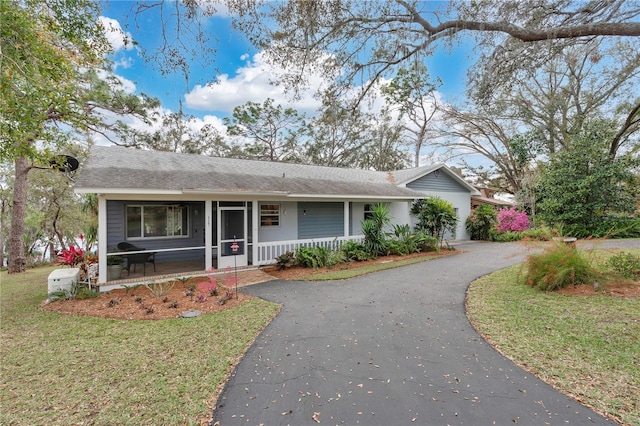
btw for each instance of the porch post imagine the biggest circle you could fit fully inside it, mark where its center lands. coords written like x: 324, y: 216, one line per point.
x: 346, y: 219
x: 102, y: 239
x: 254, y: 231
x: 208, y: 234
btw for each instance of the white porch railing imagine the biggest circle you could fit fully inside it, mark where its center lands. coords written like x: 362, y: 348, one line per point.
x: 268, y: 251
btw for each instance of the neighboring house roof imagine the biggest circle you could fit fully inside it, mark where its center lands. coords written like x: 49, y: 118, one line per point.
x: 487, y: 197
x: 123, y: 170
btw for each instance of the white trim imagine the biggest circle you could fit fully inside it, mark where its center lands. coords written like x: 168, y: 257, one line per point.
x: 102, y: 239
x: 255, y: 217
x: 346, y: 219
x: 208, y: 234
x: 358, y: 197
x: 136, y: 191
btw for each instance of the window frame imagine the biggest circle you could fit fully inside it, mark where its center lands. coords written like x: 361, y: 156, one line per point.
x: 265, y: 213
x: 186, y: 233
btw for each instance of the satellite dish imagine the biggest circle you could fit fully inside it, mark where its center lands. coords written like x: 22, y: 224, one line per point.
x: 64, y: 163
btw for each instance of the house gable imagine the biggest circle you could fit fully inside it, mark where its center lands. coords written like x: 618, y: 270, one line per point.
x: 437, y: 181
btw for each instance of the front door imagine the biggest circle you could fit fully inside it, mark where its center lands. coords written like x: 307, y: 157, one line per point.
x: 232, y: 222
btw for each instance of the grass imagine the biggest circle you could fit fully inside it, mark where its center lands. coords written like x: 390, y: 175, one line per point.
x: 343, y: 274
x: 60, y: 370
x: 586, y: 347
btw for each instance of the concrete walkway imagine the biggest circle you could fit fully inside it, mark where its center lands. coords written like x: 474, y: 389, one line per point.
x: 389, y: 348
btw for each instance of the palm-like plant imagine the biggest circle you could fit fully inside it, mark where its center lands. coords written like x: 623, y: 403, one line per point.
x: 373, y: 228
x: 435, y: 216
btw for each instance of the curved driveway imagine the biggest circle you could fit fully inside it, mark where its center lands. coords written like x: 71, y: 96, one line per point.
x: 390, y: 348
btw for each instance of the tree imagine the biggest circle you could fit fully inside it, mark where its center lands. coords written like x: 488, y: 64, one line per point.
x: 596, y: 79
x: 385, y: 151
x: 415, y: 96
x: 273, y: 132
x: 483, y: 132
x: 578, y: 191
x: 178, y: 133
x: 50, y: 54
x: 436, y: 217
x: 337, y: 135
x: 364, y: 41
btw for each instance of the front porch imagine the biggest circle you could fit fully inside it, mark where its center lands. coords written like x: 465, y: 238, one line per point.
x: 265, y: 253
x: 186, y: 237
x: 174, y: 270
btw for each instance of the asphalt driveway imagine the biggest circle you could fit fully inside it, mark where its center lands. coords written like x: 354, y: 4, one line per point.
x: 390, y: 348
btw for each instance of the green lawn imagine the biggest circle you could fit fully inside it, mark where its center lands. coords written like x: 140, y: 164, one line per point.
x: 586, y: 346
x: 59, y: 369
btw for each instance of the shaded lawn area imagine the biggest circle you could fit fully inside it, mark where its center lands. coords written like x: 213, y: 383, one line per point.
x: 59, y: 369
x: 585, y: 346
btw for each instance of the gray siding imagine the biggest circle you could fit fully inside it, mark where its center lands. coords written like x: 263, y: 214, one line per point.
x: 436, y: 181
x: 320, y: 220
x: 116, y: 233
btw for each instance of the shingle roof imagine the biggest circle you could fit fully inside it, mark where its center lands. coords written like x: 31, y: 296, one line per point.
x: 117, y: 169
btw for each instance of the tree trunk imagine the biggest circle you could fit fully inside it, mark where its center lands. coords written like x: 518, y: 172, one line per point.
x: 17, y: 258
x: 3, y: 209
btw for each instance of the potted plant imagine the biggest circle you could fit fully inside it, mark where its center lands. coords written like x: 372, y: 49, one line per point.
x: 114, y: 267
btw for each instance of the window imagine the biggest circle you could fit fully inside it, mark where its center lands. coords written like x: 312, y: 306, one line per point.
x: 368, y: 211
x: 269, y: 215
x: 149, y: 221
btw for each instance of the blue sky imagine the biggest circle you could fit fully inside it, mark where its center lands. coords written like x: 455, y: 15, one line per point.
x: 243, y: 75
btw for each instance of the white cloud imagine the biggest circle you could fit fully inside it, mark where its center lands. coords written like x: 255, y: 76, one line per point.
x: 251, y: 83
x: 128, y: 86
x: 116, y: 36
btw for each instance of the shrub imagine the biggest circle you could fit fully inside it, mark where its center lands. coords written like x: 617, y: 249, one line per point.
x: 625, y: 264
x: 404, y: 242
x: 309, y: 257
x: 75, y: 291
x: 426, y: 242
x: 480, y: 222
x: 512, y: 220
x: 353, y: 250
x: 285, y: 260
x: 559, y: 266
x: 335, y: 257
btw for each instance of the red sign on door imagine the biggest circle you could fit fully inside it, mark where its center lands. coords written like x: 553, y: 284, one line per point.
x: 234, y: 247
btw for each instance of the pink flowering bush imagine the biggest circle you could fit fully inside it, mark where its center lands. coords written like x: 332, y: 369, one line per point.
x: 512, y: 220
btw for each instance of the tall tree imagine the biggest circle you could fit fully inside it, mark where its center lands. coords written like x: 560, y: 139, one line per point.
x: 386, y: 150
x: 50, y: 54
x: 415, y: 96
x: 578, y: 190
x: 337, y: 135
x: 368, y: 39
x: 595, y: 79
x: 178, y: 133
x: 266, y: 131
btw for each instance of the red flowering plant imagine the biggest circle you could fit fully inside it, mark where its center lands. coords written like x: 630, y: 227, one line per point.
x: 71, y: 256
